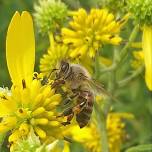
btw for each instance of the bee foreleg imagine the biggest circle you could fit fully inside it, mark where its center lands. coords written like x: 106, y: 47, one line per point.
x: 58, y: 83
x: 69, y: 118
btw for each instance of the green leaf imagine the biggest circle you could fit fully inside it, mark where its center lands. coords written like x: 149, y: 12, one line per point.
x: 3, y: 147
x: 141, y: 148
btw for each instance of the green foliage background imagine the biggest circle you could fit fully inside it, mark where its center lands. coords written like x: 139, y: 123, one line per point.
x: 135, y: 97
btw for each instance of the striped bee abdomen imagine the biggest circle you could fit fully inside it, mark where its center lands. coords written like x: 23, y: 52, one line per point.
x: 84, y: 115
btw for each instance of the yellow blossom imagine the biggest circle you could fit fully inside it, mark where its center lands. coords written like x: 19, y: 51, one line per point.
x: 19, y: 44
x: 89, y: 31
x: 144, y: 56
x: 29, y: 105
x: 90, y: 135
x: 147, y: 49
x: 58, y: 52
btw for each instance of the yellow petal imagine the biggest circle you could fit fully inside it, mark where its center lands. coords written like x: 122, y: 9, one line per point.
x: 66, y: 147
x: 7, y: 107
x: 147, y: 48
x: 38, y: 111
x: 40, y: 121
x: 7, y: 124
x: 40, y: 132
x: 20, y: 48
x: 14, y: 136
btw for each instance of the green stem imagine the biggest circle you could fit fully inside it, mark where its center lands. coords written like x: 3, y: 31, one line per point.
x: 103, y: 71
x: 132, y: 37
x: 126, y: 80
x: 111, y: 84
x: 102, y: 114
x: 101, y: 119
x: 123, y: 52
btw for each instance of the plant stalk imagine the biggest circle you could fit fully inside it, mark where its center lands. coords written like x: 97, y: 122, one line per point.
x: 123, y: 52
x: 126, y: 80
x: 101, y: 118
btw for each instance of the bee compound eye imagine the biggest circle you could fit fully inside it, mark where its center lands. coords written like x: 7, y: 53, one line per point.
x: 64, y: 66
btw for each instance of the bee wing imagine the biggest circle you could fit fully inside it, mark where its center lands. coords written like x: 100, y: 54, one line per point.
x: 96, y: 86
x: 92, y: 83
x: 99, y: 88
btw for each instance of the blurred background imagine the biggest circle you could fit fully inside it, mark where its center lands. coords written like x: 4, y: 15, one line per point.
x: 135, y: 97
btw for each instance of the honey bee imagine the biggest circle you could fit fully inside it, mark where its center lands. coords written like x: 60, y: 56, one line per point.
x: 79, y: 81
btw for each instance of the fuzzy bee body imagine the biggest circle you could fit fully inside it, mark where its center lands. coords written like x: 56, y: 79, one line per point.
x: 77, y: 79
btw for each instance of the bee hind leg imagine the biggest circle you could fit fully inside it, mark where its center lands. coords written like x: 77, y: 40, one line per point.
x: 69, y: 118
x: 66, y: 112
x: 69, y: 113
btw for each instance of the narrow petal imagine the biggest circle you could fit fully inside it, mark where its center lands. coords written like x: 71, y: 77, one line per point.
x: 7, y: 107
x: 20, y: 48
x: 147, y: 48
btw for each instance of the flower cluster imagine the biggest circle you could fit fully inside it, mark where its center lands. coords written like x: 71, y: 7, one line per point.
x: 56, y: 52
x: 99, y: 27
x: 50, y: 15
x: 141, y: 10
x: 90, y: 136
x: 29, y: 105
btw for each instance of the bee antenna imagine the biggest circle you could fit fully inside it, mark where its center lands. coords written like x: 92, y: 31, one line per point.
x: 53, y: 70
x: 47, y: 78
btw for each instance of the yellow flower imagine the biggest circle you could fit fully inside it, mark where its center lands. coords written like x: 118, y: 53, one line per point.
x: 90, y: 136
x: 147, y: 49
x: 144, y: 56
x: 88, y: 32
x: 30, y: 105
x: 57, y: 52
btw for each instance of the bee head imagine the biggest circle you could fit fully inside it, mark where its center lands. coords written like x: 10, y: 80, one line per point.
x: 64, y: 67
